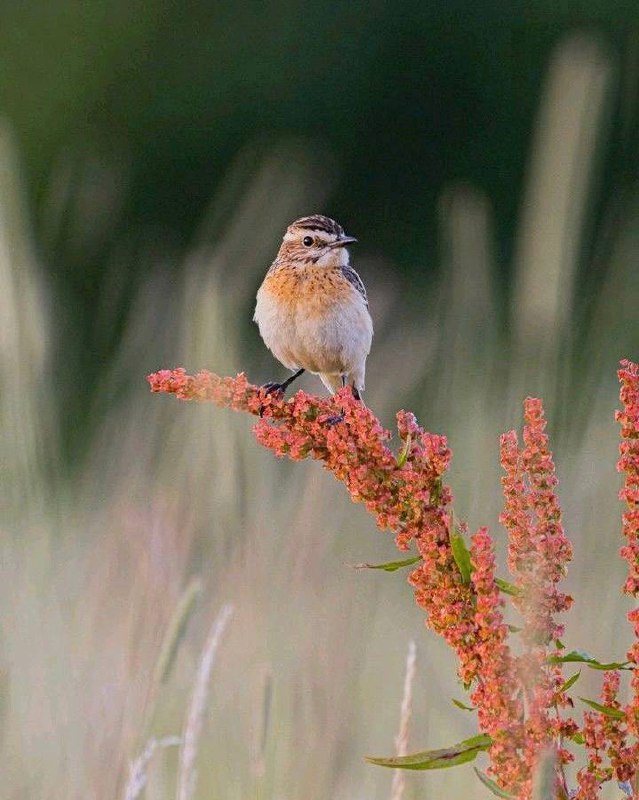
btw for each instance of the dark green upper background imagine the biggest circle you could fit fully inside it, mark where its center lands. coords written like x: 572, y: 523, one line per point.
x: 403, y: 97
x: 407, y: 96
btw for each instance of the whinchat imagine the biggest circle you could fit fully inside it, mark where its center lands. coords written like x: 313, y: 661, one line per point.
x: 312, y: 309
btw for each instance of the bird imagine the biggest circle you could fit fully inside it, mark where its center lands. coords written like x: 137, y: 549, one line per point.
x: 312, y: 308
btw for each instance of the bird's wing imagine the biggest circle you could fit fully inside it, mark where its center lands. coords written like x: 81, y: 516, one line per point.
x: 353, y: 278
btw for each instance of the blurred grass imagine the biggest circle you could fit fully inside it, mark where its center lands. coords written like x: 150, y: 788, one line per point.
x: 309, y: 676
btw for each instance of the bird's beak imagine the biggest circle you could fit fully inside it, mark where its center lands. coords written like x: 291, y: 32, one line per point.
x: 342, y: 242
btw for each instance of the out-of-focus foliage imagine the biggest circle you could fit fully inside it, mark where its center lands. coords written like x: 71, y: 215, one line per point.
x: 404, y: 96
x: 130, y: 117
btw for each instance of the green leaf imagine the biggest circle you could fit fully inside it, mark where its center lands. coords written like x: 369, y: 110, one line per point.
x: 513, y: 628
x: 608, y: 711
x: 391, y: 566
x: 171, y: 641
x: 436, y: 492
x: 463, y: 706
x: 490, y: 784
x: 578, y: 738
x: 458, y: 753
x: 401, y: 458
x: 570, y: 682
x: 580, y: 657
x: 507, y: 588
x: 461, y: 554
x: 176, y: 630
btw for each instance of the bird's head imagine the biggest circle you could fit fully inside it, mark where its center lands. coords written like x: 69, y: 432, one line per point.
x: 315, y: 240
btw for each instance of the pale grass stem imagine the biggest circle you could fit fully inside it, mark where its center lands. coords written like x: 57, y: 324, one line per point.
x: 261, y: 727
x: 172, y: 638
x: 555, y: 204
x: 401, y: 740
x: 187, y: 773
x: 175, y: 631
x: 545, y: 776
x: 138, y: 769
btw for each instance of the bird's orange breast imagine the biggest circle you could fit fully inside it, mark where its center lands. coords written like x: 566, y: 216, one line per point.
x: 315, y: 289
x: 313, y: 318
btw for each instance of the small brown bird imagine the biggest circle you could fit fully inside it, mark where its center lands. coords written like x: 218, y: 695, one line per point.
x: 312, y: 309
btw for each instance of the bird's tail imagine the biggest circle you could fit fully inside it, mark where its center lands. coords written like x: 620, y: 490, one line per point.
x: 333, y: 382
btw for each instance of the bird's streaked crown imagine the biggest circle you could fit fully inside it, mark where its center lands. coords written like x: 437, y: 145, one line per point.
x: 318, y: 222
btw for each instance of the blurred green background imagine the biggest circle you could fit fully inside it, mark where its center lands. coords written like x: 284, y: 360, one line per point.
x: 151, y: 155
x: 135, y: 112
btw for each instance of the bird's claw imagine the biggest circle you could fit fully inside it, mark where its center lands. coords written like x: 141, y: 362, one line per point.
x: 272, y: 387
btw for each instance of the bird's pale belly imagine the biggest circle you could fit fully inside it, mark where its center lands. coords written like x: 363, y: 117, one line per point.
x: 309, y: 332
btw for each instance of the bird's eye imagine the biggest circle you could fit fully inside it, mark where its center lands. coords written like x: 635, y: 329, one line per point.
x: 307, y: 241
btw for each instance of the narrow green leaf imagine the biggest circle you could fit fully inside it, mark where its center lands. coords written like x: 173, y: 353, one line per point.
x: 461, y: 554
x: 507, y: 588
x: 173, y: 636
x: 463, y: 706
x: 580, y: 657
x: 570, y: 682
x: 401, y: 458
x: 176, y: 629
x: 513, y: 628
x: 490, y: 784
x: 458, y: 753
x: 578, y: 738
x: 436, y: 492
x: 608, y: 711
x: 559, y: 644
x: 391, y: 566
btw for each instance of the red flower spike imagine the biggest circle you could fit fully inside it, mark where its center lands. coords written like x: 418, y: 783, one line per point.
x: 514, y: 695
x: 628, y: 464
x: 538, y: 554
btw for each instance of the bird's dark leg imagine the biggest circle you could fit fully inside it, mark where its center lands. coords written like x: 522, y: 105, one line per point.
x: 356, y: 394
x: 337, y: 417
x: 282, y: 387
